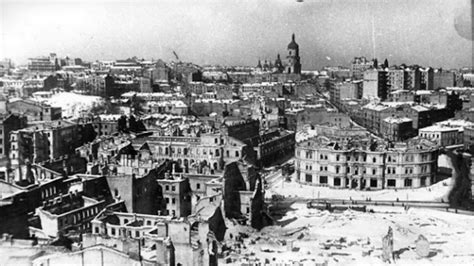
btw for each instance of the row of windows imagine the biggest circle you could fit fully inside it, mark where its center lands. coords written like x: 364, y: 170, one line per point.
x: 167, y: 188
x: 114, y: 232
x: 186, y: 151
x: 322, y: 156
x: 355, y: 170
x: 373, y: 182
x: 46, y: 193
x: 77, y: 217
x: 173, y: 200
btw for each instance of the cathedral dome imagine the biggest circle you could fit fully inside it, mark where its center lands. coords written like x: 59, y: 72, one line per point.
x: 293, y: 45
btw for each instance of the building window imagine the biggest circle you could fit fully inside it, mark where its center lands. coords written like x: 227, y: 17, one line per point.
x: 96, y: 230
x: 337, y: 157
x: 323, y: 179
x: 408, y: 182
x: 374, y: 160
x: 236, y: 153
x: 423, y: 181
x: 173, y: 201
x: 198, y: 186
x: 374, y: 171
x: 391, y: 183
x: 373, y: 182
x: 167, y: 187
x: 337, y: 169
x: 173, y: 213
x: 173, y: 188
x: 113, y: 231
x: 309, y: 178
x: 337, y: 182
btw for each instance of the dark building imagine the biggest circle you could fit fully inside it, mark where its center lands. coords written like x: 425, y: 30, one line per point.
x: 142, y: 194
x: 9, y: 123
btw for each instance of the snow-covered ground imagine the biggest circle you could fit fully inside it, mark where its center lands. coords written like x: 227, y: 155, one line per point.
x: 434, y: 192
x: 72, y: 104
x: 310, y: 236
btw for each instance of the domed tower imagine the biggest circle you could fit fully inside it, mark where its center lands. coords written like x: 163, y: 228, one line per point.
x: 259, y: 66
x: 294, y: 65
x: 278, y: 66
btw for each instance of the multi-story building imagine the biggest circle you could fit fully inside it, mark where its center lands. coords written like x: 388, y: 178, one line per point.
x: 34, y: 111
x: 446, y: 133
x: 442, y: 136
x: 427, y: 78
x: 175, y: 107
x: 359, y: 65
x: 41, y: 142
x: 397, y: 128
x: 161, y: 240
x: 443, y: 79
x: 211, y: 90
x: 375, y: 84
x: 412, y: 78
x: 371, y: 115
x: 43, y: 64
x: 365, y: 163
x: 67, y: 213
x: 345, y: 90
x: 402, y: 96
x: 9, y: 123
x: 204, y: 151
x: 396, y: 78
x: 177, y: 195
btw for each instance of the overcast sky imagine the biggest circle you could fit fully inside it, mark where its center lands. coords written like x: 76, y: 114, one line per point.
x: 329, y: 32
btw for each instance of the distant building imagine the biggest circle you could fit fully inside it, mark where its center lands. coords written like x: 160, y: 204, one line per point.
x: 427, y: 79
x: 345, y: 90
x: 43, y: 64
x: 359, y: 65
x: 443, y: 79
x: 375, y: 84
x: 34, y: 111
x: 294, y: 64
x: 402, y: 96
x: 397, y: 128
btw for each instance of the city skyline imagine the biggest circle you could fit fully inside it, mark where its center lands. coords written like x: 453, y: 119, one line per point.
x: 330, y: 33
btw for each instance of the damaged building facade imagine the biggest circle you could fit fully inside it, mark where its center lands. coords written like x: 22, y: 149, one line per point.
x: 366, y: 163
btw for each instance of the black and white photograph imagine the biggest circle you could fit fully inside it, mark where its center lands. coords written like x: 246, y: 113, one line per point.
x: 236, y: 132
